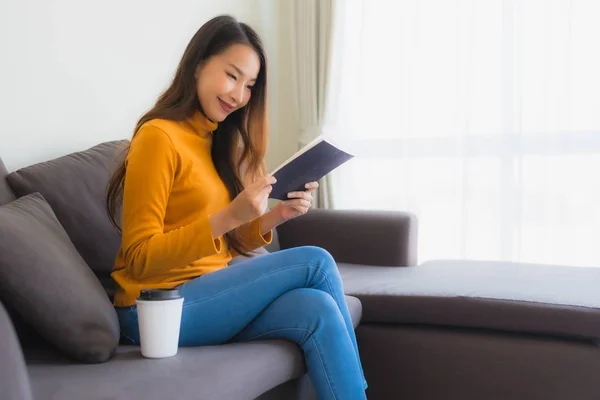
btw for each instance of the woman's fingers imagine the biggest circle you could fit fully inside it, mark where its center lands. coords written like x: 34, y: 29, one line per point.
x: 265, y: 191
x: 300, y: 195
x: 297, y: 203
x: 263, y: 182
x: 261, y: 187
x: 312, y: 186
x: 268, y: 180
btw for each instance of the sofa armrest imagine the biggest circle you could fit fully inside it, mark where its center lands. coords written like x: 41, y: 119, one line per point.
x: 14, y: 379
x: 357, y: 237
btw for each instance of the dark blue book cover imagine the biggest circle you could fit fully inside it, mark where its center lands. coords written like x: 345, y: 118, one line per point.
x: 309, y: 164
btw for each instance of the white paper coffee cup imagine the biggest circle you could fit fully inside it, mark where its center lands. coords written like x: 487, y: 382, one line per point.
x: 159, y: 320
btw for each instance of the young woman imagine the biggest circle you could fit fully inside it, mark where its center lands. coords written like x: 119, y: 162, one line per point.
x: 193, y: 189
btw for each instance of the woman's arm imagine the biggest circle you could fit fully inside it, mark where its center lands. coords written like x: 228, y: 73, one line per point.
x: 253, y: 235
x: 152, y: 164
x: 269, y: 221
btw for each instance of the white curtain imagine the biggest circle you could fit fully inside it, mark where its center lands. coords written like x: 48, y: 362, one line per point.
x: 483, y: 118
x: 315, y: 27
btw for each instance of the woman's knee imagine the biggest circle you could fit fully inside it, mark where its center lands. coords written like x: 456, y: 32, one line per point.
x: 313, y: 304
x: 318, y: 256
x: 305, y: 312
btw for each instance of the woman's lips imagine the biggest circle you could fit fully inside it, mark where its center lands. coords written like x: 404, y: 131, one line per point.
x: 225, y: 106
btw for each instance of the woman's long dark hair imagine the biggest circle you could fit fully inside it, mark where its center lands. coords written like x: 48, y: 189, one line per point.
x: 240, y: 141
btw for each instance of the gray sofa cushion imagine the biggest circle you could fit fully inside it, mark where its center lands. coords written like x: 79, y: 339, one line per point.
x: 226, y: 372
x: 6, y: 194
x: 14, y: 381
x: 355, y: 308
x: 231, y: 371
x: 261, y: 251
x: 47, y: 282
x: 75, y: 187
x: 527, y: 298
x: 386, y: 238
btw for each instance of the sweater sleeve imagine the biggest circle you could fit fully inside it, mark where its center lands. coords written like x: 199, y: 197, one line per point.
x: 148, y: 250
x: 251, y: 236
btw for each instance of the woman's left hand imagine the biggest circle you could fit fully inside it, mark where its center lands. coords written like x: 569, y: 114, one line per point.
x: 298, y: 203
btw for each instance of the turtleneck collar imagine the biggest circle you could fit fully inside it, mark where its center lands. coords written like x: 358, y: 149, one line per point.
x: 201, y: 124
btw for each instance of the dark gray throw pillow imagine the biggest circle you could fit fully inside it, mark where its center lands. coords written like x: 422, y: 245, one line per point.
x: 45, y: 279
x: 75, y: 187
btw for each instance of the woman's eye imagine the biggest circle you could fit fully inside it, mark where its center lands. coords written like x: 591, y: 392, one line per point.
x: 232, y: 76
x: 249, y: 87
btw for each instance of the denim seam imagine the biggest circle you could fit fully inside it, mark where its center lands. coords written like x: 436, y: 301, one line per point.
x: 340, y: 305
x: 130, y: 310
x: 129, y: 338
x: 326, y: 279
x: 317, y: 346
x: 339, y: 301
x: 278, y: 330
x: 324, y: 367
x: 249, y: 282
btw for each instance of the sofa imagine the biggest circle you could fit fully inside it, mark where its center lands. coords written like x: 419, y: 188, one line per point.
x: 67, y: 194
x: 440, y: 329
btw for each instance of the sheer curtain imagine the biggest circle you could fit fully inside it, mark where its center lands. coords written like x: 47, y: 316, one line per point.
x: 311, y: 24
x: 483, y: 118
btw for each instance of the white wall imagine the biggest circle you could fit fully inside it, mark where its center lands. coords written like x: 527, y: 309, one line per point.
x: 75, y: 73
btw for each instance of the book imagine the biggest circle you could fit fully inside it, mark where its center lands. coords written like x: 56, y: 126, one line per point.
x: 309, y: 164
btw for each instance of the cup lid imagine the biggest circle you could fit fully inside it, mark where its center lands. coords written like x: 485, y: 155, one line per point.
x: 159, y: 294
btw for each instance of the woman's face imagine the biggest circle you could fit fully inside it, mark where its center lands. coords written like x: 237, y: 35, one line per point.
x: 224, y: 81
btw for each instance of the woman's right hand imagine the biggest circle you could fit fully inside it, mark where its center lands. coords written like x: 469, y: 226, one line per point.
x: 249, y: 204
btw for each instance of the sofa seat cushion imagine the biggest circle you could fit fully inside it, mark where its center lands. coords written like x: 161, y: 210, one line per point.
x: 355, y: 308
x: 230, y: 371
x: 525, y: 298
x: 14, y: 380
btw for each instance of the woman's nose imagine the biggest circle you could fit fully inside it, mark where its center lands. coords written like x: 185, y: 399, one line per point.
x: 237, y: 94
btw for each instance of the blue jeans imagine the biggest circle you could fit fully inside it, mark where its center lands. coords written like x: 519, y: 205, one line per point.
x: 293, y: 294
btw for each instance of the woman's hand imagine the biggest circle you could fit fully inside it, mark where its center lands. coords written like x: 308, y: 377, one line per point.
x: 298, y: 203
x: 249, y: 204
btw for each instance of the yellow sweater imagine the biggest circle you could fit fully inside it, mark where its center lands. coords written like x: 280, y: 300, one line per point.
x: 171, y: 189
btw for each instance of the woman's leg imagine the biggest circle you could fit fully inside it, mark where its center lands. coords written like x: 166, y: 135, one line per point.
x: 312, y: 319
x: 217, y: 306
